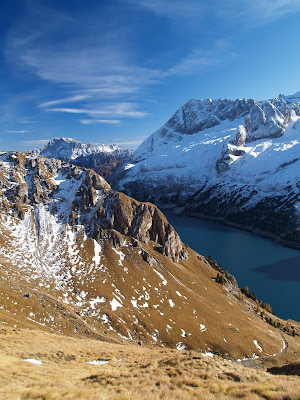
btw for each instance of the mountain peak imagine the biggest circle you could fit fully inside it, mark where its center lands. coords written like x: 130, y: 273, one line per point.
x: 70, y: 149
x: 241, y: 152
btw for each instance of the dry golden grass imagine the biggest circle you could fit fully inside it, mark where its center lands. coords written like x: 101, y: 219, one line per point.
x: 132, y: 373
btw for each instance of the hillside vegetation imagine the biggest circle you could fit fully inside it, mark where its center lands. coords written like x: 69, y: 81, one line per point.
x: 69, y: 370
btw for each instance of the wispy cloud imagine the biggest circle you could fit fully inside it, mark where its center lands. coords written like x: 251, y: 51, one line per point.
x: 97, y: 66
x: 17, y: 131
x: 115, y: 109
x: 71, y: 99
x: 200, y: 59
x: 252, y: 13
x: 100, y: 121
x: 97, y: 63
x: 26, y: 121
x: 247, y: 12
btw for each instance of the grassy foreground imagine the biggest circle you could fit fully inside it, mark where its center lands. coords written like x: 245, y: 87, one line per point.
x: 131, y: 373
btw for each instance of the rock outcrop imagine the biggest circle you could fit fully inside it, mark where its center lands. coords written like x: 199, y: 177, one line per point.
x: 37, y: 179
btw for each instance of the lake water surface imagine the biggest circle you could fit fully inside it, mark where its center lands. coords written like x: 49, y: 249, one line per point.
x: 270, y: 270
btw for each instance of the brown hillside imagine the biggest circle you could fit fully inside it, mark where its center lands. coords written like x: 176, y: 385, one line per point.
x: 80, y: 259
x: 43, y: 365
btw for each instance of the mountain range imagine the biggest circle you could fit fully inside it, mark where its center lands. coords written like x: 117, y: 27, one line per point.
x: 79, y: 260
x: 233, y: 160
x: 104, y: 159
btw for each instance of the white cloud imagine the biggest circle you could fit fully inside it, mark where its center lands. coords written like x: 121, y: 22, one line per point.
x: 92, y: 66
x: 95, y: 62
x: 100, y: 121
x: 26, y: 121
x: 17, y: 131
x: 65, y: 100
x: 100, y: 65
x: 106, y: 109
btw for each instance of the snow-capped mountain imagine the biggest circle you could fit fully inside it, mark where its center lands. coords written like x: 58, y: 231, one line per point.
x: 78, y: 258
x: 234, y: 160
x: 104, y: 159
x: 69, y: 149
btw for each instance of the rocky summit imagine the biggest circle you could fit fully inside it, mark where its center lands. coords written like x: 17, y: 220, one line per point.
x: 233, y: 160
x: 104, y: 159
x: 78, y: 258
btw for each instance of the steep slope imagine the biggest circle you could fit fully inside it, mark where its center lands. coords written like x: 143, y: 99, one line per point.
x: 103, y: 159
x: 234, y: 160
x: 77, y: 257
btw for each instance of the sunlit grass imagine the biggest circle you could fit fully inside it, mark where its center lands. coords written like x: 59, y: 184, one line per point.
x: 132, y: 373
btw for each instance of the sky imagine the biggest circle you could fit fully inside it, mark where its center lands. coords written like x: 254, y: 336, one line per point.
x: 114, y: 71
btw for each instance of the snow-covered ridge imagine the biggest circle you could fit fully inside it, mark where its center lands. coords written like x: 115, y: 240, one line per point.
x: 70, y: 149
x: 223, y: 158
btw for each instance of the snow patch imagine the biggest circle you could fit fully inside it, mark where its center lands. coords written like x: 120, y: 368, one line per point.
x: 257, y: 345
x: 171, y: 302
x: 180, y: 346
x: 97, y: 300
x: 161, y: 276
x: 208, y: 353
x: 97, y: 362
x: 115, y: 304
x: 33, y: 361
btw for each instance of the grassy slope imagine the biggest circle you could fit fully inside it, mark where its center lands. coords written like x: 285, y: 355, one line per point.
x: 230, y: 326
x: 133, y: 372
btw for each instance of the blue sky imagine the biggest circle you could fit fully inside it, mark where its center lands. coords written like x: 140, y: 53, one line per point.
x: 114, y: 71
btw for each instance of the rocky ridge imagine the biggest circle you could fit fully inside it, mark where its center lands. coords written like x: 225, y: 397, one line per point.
x: 235, y: 160
x: 78, y: 258
x: 104, y: 159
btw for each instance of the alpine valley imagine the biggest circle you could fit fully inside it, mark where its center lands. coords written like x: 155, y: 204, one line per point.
x: 233, y: 160
x: 98, y: 290
x: 83, y: 258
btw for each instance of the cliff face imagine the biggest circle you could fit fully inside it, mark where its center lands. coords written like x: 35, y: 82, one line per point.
x: 79, y: 258
x: 79, y: 196
x: 233, y: 160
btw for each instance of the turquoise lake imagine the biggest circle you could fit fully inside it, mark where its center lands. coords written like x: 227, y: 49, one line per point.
x: 270, y: 270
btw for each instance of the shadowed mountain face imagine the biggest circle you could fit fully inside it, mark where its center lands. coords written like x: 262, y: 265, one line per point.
x: 77, y: 257
x: 104, y: 163
x: 103, y: 159
x: 233, y: 160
